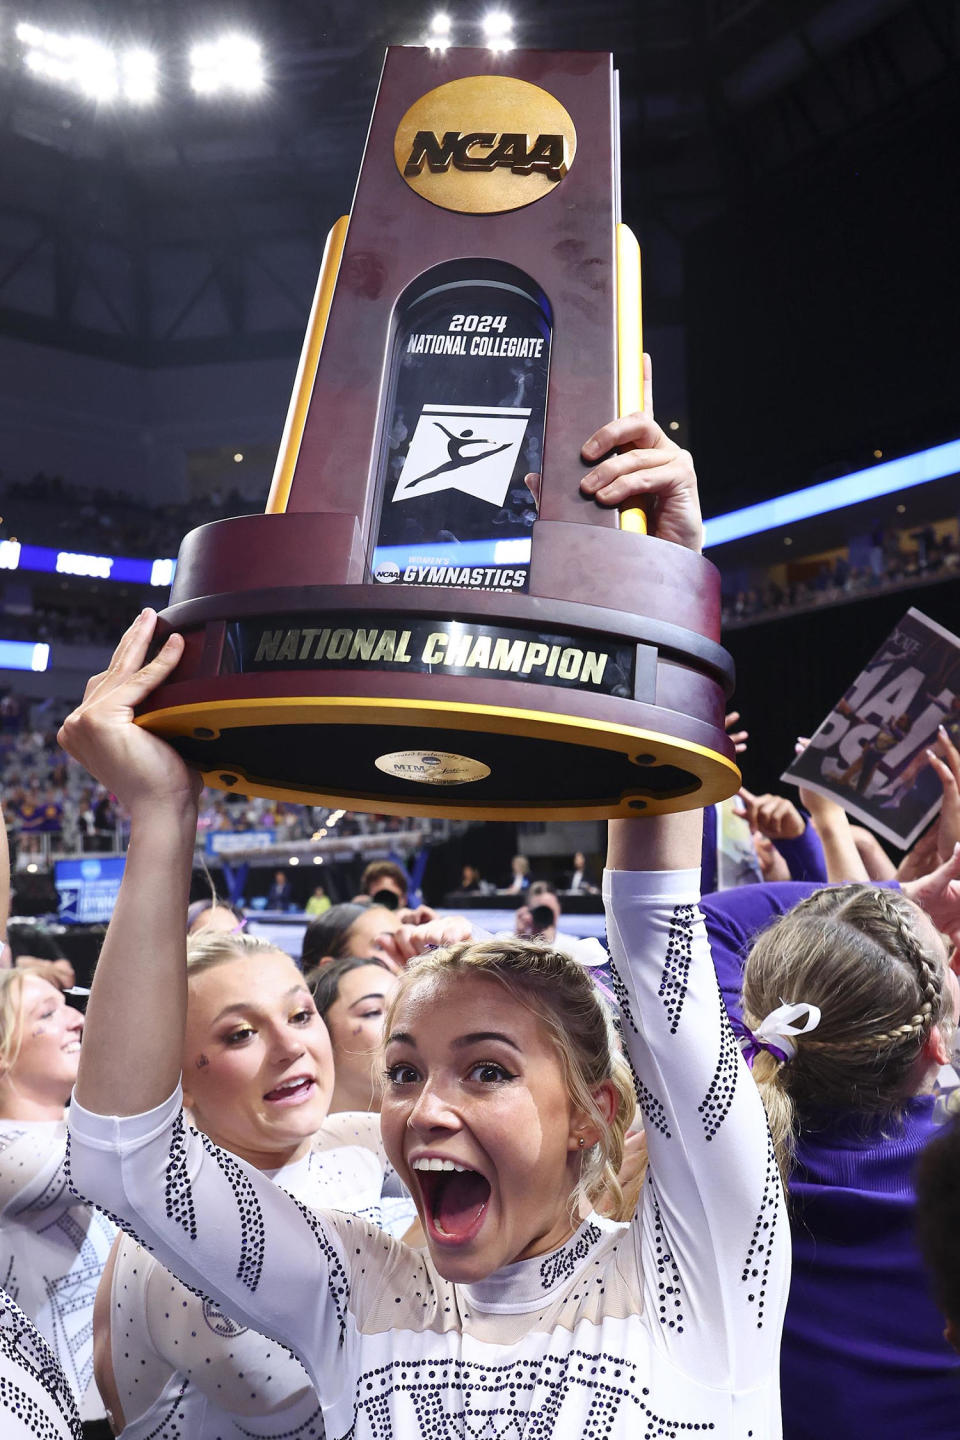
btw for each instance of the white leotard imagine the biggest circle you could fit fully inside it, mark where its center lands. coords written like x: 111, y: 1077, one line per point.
x: 36, y: 1403
x: 362, y: 1127
x: 664, y: 1327
x: 182, y: 1367
x: 53, y: 1248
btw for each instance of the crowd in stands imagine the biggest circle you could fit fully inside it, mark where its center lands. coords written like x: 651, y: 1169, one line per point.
x: 49, y: 510
x: 82, y: 617
x: 45, y: 793
x: 889, y: 560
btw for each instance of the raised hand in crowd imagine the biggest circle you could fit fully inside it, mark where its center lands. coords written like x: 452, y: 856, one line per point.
x: 416, y: 915
x: 876, y: 861
x: 937, y: 842
x: 774, y: 816
x: 921, y: 858
x: 947, y: 770
x: 738, y: 737
x: 396, y: 950
x: 938, y: 893
x: 59, y: 972
x: 841, y: 855
x: 770, y: 818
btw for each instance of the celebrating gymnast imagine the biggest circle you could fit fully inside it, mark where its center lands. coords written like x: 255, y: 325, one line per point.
x: 504, y: 1111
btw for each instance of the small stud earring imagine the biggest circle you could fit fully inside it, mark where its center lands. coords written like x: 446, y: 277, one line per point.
x: 580, y: 1142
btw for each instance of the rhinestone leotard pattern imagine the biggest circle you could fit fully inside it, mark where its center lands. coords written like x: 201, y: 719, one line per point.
x: 644, y: 1330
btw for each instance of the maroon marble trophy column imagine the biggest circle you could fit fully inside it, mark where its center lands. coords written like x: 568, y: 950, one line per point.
x: 429, y: 618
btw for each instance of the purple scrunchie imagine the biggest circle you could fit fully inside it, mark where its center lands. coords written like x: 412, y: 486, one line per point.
x: 751, y: 1046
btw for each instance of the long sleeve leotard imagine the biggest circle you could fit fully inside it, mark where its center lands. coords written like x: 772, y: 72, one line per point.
x: 53, y: 1248
x: 182, y: 1367
x: 36, y: 1401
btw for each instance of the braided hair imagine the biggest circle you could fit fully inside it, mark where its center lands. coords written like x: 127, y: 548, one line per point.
x: 859, y: 952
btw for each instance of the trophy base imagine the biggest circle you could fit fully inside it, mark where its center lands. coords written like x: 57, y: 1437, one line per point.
x: 484, y: 761
x: 449, y: 702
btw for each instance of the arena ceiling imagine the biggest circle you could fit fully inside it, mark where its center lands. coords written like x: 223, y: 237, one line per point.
x: 191, y: 230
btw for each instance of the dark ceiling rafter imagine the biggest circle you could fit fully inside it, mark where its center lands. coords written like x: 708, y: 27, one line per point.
x: 190, y: 304
x: 45, y: 236
x: 222, y: 184
x: 933, y: 16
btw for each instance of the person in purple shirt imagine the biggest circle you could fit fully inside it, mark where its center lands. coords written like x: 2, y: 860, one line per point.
x: 938, y: 1204
x: 848, y: 1009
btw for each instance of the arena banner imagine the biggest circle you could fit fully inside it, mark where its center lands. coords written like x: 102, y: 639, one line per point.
x: 869, y: 754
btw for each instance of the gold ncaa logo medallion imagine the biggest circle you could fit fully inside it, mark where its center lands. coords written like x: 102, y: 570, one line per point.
x: 485, y: 144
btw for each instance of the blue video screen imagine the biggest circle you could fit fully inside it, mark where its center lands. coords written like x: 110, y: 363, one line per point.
x: 88, y: 888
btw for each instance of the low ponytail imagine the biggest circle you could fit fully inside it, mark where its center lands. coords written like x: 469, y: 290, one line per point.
x: 859, y: 953
x: 768, y: 1072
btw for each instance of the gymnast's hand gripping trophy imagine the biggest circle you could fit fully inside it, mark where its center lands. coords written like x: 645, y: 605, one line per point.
x: 430, y: 618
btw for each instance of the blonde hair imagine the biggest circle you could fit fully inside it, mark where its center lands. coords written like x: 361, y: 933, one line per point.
x: 856, y: 952
x: 209, y: 948
x: 560, y: 993
x: 11, y: 1018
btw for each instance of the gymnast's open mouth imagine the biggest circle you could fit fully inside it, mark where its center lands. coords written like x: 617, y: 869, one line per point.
x: 454, y: 1198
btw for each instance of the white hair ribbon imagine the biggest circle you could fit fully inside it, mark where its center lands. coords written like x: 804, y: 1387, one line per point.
x: 778, y: 1028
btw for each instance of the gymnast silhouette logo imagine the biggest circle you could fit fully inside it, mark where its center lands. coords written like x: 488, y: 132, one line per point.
x: 456, y: 444
x: 473, y: 451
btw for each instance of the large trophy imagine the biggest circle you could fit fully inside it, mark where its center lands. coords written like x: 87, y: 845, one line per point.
x: 430, y: 619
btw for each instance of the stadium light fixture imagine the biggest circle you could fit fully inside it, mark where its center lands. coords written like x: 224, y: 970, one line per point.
x: 497, y: 23
x: 232, y: 63
x: 439, y: 35
x: 89, y: 67
x: 138, y: 76
x: 498, y: 28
